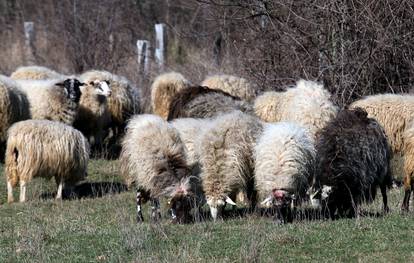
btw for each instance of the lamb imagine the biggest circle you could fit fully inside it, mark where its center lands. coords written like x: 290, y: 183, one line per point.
x: 353, y: 159
x: 227, y: 159
x: 35, y: 73
x: 124, y: 101
x: 42, y: 148
x: 163, y: 90
x: 284, y: 167
x: 93, y: 115
x: 202, y: 102
x: 154, y: 157
x: 235, y: 86
x: 307, y: 104
x: 14, y: 107
x: 52, y: 99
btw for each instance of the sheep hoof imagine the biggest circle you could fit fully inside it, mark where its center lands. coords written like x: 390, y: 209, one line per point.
x: 155, y: 217
x: 140, y: 218
x: 386, y: 210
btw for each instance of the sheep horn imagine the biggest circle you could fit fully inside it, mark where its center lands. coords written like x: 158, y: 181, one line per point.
x: 229, y: 201
x: 267, y: 200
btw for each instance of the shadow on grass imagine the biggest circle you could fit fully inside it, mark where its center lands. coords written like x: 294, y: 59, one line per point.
x: 90, y: 190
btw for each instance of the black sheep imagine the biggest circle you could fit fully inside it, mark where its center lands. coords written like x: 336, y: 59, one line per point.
x: 353, y: 159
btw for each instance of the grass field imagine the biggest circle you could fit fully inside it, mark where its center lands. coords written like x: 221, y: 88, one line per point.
x: 103, y: 229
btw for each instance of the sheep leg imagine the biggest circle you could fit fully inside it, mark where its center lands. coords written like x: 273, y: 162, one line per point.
x: 10, y: 198
x: 406, y: 201
x: 384, y: 198
x: 22, y: 191
x: 60, y: 190
x: 155, y: 210
x: 140, y: 218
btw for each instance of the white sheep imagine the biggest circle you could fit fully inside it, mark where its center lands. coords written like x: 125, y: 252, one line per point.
x: 42, y: 148
x: 55, y: 100
x: 35, y: 73
x: 154, y: 157
x: 93, y: 114
x: 235, y: 86
x: 124, y: 100
x: 284, y: 166
x: 227, y: 159
x: 308, y: 104
x: 163, y: 90
x: 13, y: 107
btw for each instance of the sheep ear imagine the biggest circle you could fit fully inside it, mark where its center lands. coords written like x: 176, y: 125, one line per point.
x: 229, y: 201
x: 60, y: 84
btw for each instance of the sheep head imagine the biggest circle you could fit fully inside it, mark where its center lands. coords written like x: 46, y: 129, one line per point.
x: 319, y: 196
x: 217, y: 205
x: 72, y: 89
x: 279, y: 198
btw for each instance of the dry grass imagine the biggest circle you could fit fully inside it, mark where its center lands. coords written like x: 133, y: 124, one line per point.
x: 103, y: 229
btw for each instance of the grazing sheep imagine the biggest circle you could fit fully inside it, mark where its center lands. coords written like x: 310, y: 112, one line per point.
x: 396, y: 114
x: 93, y: 115
x: 42, y: 148
x: 202, y: 102
x: 14, y: 107
x: 284, y: 166
x: 227, y: 159
x: 163, y: 90
x: 154, y: 157
x: 35, y: 73
x: 307, y: 104
x: 353, y: 159
x: 235, y: 86
x: 124, y: 100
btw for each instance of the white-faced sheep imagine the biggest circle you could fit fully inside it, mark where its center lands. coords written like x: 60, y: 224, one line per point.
x: 42, y: 148
x: 227, y: 159
x: 353, y: 158
x: 93, y: 114
x: 235, y: 86
x: 202, y: 102
x: 124, y: 100
x: 396, y: 114
x: 35, y: 73
x: 284, y: 167
x: 154, y: 157
x: 308, y: 104
x: 14, y: 107
x: 163, y: 90
x: 52, y: 99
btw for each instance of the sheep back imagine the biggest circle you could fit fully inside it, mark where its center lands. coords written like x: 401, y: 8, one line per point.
x: 35, y: 73
x: 235, y: 86
x: 164, y: 89
x: 202, y: 102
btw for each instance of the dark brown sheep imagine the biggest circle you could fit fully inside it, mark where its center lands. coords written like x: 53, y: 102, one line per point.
x: 353, y: 159
x: 203, y: 102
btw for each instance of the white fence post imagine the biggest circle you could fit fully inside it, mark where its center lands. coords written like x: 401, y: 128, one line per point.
x: 29, y: 35
x: 160, y: 45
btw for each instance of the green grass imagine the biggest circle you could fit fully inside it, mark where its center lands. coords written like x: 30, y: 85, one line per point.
x: 104, y: 230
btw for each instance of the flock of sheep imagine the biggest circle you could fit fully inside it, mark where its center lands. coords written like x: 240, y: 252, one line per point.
x: 208, y: 144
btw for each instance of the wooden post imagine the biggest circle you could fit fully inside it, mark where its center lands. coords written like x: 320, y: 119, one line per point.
x: 30, y: 51
x: 160, y: 45
x: 144, y: 49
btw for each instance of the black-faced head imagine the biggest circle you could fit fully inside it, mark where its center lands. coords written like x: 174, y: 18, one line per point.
x: 72, y: 88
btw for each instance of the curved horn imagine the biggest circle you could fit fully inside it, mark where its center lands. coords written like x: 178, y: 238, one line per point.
x: 229, y: 201
x: 267, y: 201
